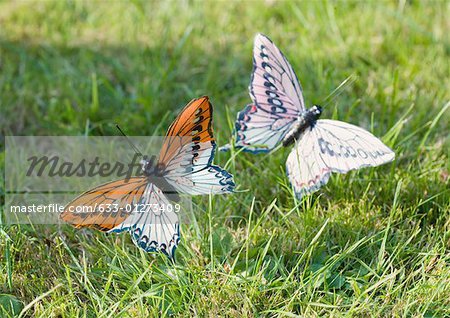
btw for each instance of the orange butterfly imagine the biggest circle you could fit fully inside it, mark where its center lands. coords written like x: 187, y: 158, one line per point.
x: 184, y: 166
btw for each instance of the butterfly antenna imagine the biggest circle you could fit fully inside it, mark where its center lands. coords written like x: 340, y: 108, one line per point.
x: 338, y: 90
x: 129, y: 141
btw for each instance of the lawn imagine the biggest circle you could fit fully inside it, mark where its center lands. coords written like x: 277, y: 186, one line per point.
x: 370, y: 243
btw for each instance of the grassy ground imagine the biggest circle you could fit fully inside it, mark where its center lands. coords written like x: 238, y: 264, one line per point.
x: 370, y: 243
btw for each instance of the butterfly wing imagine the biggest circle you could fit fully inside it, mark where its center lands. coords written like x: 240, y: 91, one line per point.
x: 188, y: 152
x: 105, y: 206
x: 133, y: 205
x: 139, y: 206
x: 154, y: 224
x: 258, y: 131
x: 332, y: 146
x: 277, y: 100
x: 274, y: 86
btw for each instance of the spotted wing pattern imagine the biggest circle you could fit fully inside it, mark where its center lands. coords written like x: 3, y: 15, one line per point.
x: 332, y: 146
x: 274, y: 86
x: 277, y: 100
x: 105, y: 206
x: 138, y: 205
x: 188, y: 153
x: 153, y: 224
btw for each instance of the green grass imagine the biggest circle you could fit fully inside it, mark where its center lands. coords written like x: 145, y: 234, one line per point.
x: 371, y: 243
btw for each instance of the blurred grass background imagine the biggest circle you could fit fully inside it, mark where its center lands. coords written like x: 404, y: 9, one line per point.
x: 371, y: 243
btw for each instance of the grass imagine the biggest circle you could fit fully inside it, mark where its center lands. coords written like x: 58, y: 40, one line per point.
x: 371, y: 243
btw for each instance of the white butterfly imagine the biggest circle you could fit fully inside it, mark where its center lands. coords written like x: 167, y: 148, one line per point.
x: 278, y: 116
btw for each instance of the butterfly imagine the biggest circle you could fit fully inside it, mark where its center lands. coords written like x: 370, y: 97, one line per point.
x: 278, y: 116
x: 143, y: 203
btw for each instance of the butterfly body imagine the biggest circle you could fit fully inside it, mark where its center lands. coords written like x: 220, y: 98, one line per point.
x: 306, y: 120
x: 278, y: 115
x: 155, y: 174
x: 149, y: 168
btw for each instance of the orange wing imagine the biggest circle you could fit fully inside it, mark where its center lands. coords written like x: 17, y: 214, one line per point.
x: 193, y: 124
x: 105, y: 206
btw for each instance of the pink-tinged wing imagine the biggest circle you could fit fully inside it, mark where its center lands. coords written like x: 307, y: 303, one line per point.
x: 277, y: 100
x: 274, y: 86
x: 305, y: 170
x: 344, y: 147
x: 258, y: 131
x: 332, y: 146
